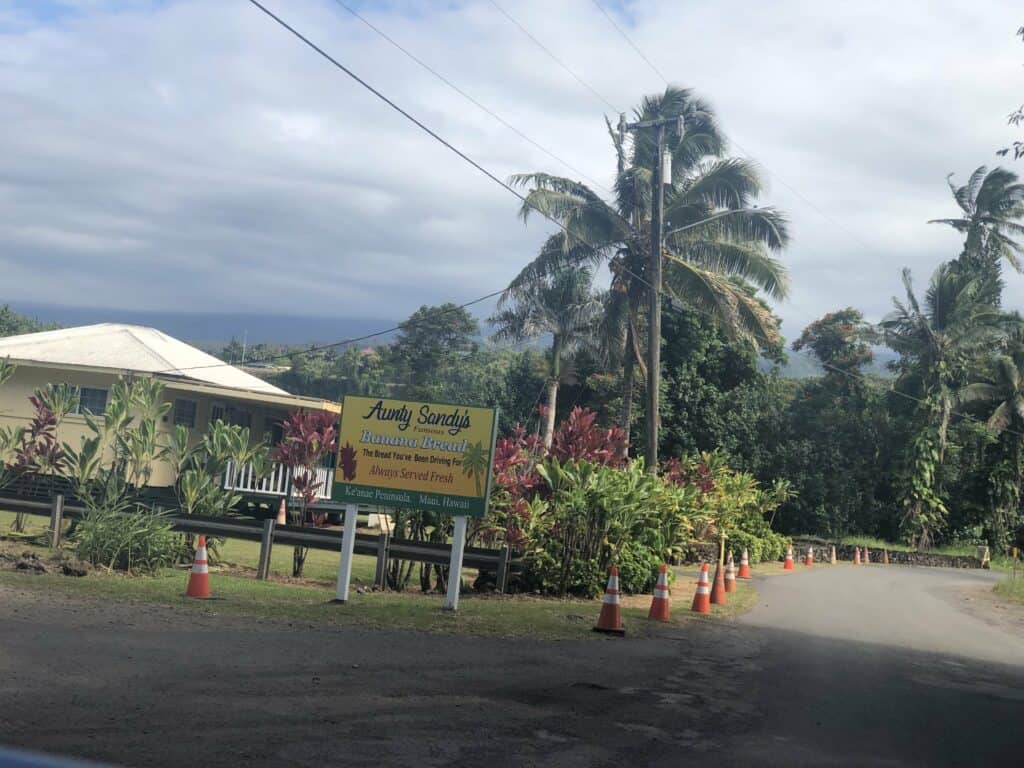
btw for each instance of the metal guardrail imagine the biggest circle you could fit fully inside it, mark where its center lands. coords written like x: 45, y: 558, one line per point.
x: 269, y: 533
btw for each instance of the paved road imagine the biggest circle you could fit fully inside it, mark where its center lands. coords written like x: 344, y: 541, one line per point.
x: 885, y: 666
x: 842, y: 666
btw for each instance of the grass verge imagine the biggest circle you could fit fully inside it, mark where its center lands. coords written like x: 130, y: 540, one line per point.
x: 518, y: 616
x: 1011, y: 589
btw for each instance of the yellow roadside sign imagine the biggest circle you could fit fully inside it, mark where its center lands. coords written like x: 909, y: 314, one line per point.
x: 431, y: 456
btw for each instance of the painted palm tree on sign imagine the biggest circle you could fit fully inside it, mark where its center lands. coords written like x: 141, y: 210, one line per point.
x: 560, y: 303
x: 992, y: 203
x: 713, y: 231
x: 476, y: 463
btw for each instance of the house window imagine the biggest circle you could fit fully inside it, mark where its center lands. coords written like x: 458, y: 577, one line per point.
x: 273, y: 432
x: 92, y: 400
x: 216, y: 412
x: 185, y: 413
x: 240, y: 417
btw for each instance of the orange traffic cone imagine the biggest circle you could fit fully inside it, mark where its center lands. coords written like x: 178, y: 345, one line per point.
x: 885, y: 557
x: 788, y: 565
x: 282, y: 513
x: 809, y: 559
x: 718, y: 586
x: 730, y: 575
x: 702, y: 597
x: 867, y: 556
x: 744, y: 565
x: 856, y: 555
x: 610, y: 620
x: 832, y: 557
x: 199, y: 579
x: 660, y: 603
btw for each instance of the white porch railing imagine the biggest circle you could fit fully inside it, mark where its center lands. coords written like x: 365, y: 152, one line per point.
x: 244, y: 480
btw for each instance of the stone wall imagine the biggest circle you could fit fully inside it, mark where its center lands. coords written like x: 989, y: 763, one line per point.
x: 845, y: 552
x: 699, y: 552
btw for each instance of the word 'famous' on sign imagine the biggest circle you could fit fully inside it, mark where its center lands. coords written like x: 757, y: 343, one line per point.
x: 455, y: 419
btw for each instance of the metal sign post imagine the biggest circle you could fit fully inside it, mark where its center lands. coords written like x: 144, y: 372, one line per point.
x: 451, y: 601
x: 348, y: 545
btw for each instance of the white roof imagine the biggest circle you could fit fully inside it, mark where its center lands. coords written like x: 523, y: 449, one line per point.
x: 129, y: 348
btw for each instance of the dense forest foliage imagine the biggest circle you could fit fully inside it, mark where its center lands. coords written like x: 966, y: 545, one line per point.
x: 931, y: 453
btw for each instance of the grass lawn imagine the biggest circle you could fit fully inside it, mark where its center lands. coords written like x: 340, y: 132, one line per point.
x: 490, y: 615
x: 238, y: 594
x: 1012, y: 589
x: 321, y: 565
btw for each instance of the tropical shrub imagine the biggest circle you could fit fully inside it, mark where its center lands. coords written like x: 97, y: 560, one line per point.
x: 575, y: 513
x: 128, y: 538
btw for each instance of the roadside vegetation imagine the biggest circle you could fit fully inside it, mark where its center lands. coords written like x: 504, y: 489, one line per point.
x: 931, y: 455
x: 1012, y: 589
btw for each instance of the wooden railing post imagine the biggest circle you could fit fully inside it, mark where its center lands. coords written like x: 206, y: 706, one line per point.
x: 380, y: 577
x: 56, y: 519
x: 501, y: 580
x: 266, y: 548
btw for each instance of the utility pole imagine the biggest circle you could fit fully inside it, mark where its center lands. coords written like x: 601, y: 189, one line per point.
x: 662, y: 174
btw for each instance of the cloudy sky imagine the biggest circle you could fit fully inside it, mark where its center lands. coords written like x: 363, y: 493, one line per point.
x: 194, y: 156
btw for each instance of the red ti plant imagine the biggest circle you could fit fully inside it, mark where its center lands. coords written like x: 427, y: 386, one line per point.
x: 37, y: 449
x: 579, y: 438
x: 516, y: 481
x: 309, y: 438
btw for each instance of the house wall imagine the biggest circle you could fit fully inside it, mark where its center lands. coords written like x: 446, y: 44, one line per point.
x: 16, y: 410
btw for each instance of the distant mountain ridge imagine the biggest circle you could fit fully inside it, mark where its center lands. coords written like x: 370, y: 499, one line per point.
x: 213, y: 328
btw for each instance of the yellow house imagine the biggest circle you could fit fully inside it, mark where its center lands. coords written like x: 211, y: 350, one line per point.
x: 201, y: 388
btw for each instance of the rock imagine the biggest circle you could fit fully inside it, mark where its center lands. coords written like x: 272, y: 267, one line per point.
x: 75, y: 567
x: 29, y: 561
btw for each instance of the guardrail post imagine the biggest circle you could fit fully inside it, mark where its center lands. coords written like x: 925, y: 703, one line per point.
x: 266, y: 547
x: 501, y: 579
x: 56, y: 519
x: 380, y: 578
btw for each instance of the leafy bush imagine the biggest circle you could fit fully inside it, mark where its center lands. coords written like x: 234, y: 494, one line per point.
x: 125, y: 539
x: 580, y: 508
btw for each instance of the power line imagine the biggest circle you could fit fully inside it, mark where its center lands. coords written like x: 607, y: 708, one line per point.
x: 555, y: 59
x: 862, y: 378
x: 433, y: 135
x: 629, y: 40
x: 343, y: 342
x: 796, y: 193
x: 445, y: 143
x: 468, y: 97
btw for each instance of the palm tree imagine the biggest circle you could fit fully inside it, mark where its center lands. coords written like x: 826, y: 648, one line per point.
x: 937, y: 343
x: 992, y: 203
x: 560, y: 303
x: 712, y: 231
x: 1001, y: 392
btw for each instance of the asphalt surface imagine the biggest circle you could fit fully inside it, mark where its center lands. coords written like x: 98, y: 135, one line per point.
x: 835, y: 666
x: 884, y: 666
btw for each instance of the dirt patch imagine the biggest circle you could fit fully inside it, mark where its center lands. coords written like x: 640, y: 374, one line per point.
x: 17, y: 558
x: 982, y: 603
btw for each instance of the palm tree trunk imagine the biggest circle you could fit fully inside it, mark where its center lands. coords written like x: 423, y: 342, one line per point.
x: 556, y: 369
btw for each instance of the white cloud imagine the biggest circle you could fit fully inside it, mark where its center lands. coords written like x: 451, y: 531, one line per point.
x: 194, y: 156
